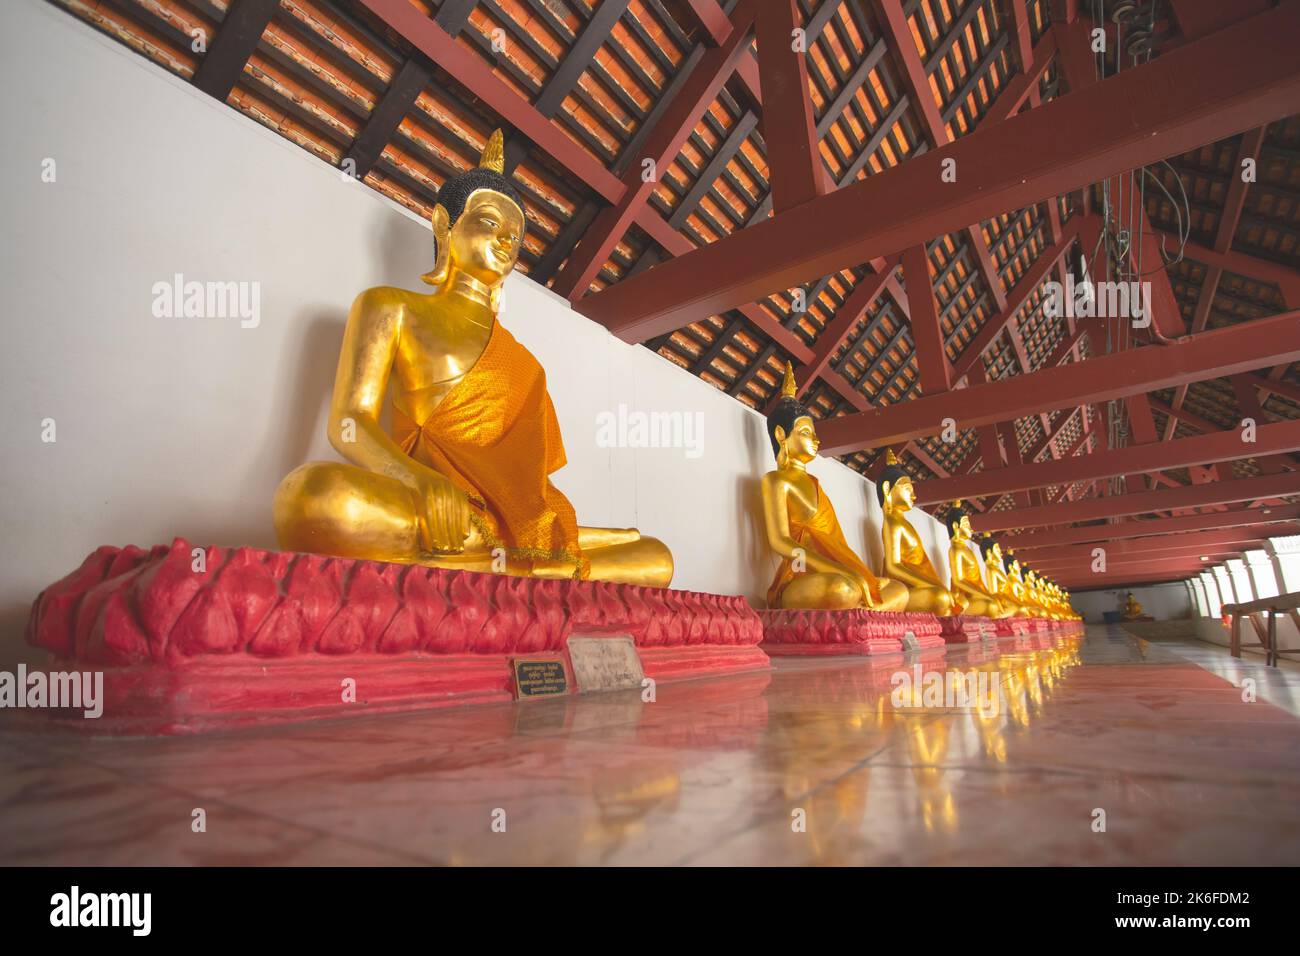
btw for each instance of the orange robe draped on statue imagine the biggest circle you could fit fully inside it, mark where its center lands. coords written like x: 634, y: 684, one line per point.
x: 495, y: 435
x: 917, y: 558
x: 820, y: 533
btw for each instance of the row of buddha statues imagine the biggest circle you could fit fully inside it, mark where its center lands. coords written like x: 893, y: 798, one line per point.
x: 461, y: 477
x: 820, y: 570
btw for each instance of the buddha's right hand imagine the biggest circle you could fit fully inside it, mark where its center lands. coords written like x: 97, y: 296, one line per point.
x: 445, y: 512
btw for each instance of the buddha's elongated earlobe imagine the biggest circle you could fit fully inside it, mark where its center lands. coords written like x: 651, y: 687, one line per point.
x: 782, y: 458
x: 441, y: 235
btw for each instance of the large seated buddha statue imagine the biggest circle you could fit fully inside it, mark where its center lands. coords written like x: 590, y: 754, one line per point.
x: 818, y: 568
x: 905, y: 557
x: 462, y: 480
x: 968, y: 584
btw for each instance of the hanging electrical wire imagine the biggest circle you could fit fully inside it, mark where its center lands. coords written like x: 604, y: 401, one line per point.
x: 1120, y: 254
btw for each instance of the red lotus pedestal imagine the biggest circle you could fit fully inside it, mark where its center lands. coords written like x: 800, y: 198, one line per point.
x: 1012, y: 627
x: 263, y: 636
x: 967, y: 629
x: 789, y: 632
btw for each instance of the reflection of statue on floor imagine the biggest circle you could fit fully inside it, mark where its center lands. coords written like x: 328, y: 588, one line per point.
x: 905, y: 557
x: 462, y: 480
x: 818, y: 568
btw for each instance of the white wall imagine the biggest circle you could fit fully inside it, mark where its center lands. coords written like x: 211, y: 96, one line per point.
x: 184, y: 427
x: 1164, y: 602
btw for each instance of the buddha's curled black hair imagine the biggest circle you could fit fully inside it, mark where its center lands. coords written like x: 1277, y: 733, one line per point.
x: 952, y: 517
x: 455, y: 192
x: 890, y: 475
x: 788, y: 410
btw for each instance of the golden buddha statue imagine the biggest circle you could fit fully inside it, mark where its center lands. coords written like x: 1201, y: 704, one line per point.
x: 1132, y: 608
x: 818, y: 568
x: 1051, y: 599
x: 1049, y: 603
x: 1069, y: 606
x: 1032, y: 593
x: 1058, y: 604
x: 968, y: 584
x: 999, y: 580
x: 1016, y: 582
x: 462, y: 480
x: 905, y: 557
x: 1047, y: 590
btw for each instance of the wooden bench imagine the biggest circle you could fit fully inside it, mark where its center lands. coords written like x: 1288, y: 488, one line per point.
x: 1270, y: 608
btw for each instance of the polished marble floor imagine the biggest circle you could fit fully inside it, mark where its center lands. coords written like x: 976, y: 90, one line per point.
x: 815, y: 762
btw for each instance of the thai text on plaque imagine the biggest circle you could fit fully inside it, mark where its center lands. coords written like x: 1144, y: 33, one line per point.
x: 544, y: 678
x: 605, y: 662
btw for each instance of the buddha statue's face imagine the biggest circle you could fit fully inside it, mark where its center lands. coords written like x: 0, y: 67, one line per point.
x: 901, y: 495
x: 961, y: 531
x: 485, y: 241
x: 995, y: 553
x: 801, y: 444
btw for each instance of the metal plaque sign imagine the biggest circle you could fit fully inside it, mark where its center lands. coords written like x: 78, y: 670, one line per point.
x: 544, y: 678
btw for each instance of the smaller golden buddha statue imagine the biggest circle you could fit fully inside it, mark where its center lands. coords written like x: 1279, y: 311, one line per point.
x: 1048, y: 590
x: 1060, y: 603
x: 818, y: 568
x: 968, y: 584
x: 1049, y: 598
x: 1055, y: 601
x: 1065, y: 597
x: 1015, y: 587
x: 1032, y: 598
x: 1016, y: 579
x: 1034, y: 593
x: 1132, y: 609
x: 996, y: 572
x: 905, y: 557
